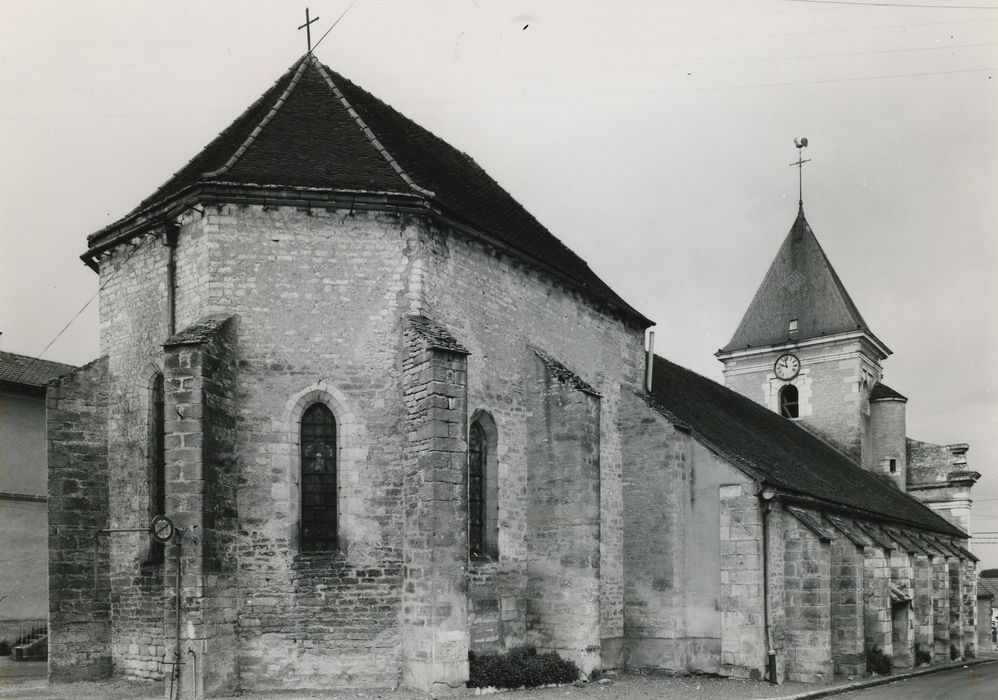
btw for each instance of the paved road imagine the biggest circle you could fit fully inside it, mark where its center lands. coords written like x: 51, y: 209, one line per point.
x: 973, y: 683
x: 21, y: 669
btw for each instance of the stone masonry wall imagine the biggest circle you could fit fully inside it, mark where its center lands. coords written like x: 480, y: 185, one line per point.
x: 940, y: 609
x: 848, y: 651
x: 499, y: 308
x: 877, y: 600
x: 201, y: 496
x: 903, y: 635
x: 922, y: 603
x: 79, y: 605
x: 317, y: 295
x: 806, y: 580
x: 956, y: 609
x: 830, y: 386
x: 743, y: 643
x: 563, y: 517
x: 970, y: 610
x: 134, y: 321
x: 434, y: 594
x: 655, y: 457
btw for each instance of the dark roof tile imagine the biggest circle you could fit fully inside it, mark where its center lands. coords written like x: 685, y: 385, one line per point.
x: 801, y: 285
x: 30, y: 371
x: 882, y: 391
x: 779, y: 452
x: 315, y: 129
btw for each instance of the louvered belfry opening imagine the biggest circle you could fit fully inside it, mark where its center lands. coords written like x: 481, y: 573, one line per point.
x: 318, y: 479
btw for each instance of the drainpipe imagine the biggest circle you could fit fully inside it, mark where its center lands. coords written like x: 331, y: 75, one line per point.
x: 767, y: 496
x: 649, y: 360
x: 170, y: 241
x: 176, y: 666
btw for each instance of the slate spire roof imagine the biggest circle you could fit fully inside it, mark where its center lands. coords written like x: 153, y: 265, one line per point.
x: 315, y: 134
x: 781, y: 454
x: 801, y: 285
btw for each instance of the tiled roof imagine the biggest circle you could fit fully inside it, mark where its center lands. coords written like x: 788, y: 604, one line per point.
x: 30, y: 371
x: 801, y: 285
x: 882, y: 391
x: 987, y: 587
x: 780, y: 453
x: 316, y: 131
x: 435, y: 334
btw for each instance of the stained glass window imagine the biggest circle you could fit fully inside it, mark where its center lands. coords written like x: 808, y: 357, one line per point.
x: 477, y: 456
x: 318, y: 479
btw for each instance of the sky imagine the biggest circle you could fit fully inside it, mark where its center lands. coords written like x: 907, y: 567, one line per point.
x: 653, y: 138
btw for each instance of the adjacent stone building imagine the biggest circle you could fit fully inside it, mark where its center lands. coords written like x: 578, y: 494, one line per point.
x: 395, y: 420
x: 23, y: 491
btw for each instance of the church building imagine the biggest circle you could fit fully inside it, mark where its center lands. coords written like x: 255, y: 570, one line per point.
x: 358, y: 413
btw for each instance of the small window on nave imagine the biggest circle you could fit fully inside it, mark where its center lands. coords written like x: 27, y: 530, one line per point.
x: 789, y: 406
x: 156, y: 456
x: 318, y: 479
x: 483, y: 490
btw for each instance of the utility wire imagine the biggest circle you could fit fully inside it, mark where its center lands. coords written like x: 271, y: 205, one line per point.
x: 898, y: 4
x: 332, y: 26
x: 84, y: 307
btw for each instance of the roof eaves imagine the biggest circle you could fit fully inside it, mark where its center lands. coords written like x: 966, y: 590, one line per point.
x: 371, y: 136
x: 239, y: 193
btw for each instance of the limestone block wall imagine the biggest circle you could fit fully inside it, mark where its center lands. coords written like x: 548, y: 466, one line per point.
x: 134, y: 322
x: 435, y: 549
x: 956, y: 607
x: 79, y: 605
x: 922, y: 580
x: 743, y: 644
x: 971, y: 617
x: 807, y: 603
x: 563, y: 517
x: 830, y: 384
x: 691, y: 556
x: 847, y: 589
x: 878, y: 626
x: 499, y: 308
x: 655, y: 462
x: 317, y: 298
x: 888, y: 441
x: 940, y: 609
x: 201, y: 487
x: 903, y: 617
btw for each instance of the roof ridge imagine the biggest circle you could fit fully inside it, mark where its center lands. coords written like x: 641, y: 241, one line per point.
x: 36, y: 359
x: 371, y: 136
x: 234, y: 158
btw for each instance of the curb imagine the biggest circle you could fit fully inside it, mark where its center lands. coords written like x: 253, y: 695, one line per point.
x: 883, y: 680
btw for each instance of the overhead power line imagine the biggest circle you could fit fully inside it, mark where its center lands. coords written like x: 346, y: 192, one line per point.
x: 898, y: 4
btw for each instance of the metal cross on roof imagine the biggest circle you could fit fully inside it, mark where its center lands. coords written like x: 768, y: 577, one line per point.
x: 800, y: 170
x: 308, y: 29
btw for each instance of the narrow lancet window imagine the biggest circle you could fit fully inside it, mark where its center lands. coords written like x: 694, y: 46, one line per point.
x: 157, y: 460
x: 789, y: 407
x: 477, y: 458
x: 318, y: 479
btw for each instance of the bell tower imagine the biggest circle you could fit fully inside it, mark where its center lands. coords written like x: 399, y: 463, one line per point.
x: 802, y: 348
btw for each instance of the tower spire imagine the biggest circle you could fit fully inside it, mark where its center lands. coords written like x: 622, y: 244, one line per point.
x: 801, y: 144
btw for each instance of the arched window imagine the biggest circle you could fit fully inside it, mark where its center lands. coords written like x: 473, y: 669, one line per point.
x: 318, y: 479
x: 157, y: 460
x: 483, y: 490
x: 477, y: 454
x: 789, y: 406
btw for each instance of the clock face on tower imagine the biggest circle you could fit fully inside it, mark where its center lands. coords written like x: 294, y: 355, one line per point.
x: 787, y: 367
